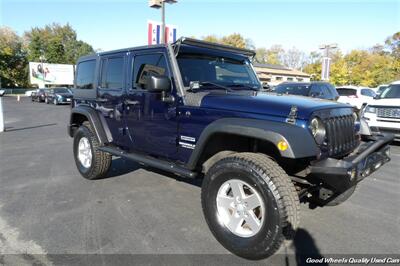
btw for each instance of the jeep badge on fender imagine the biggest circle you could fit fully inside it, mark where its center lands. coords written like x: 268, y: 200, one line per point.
x: 197, y: 109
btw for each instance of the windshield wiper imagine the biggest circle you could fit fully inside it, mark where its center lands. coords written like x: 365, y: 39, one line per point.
x: 194, y: 86
x: 243, y: 86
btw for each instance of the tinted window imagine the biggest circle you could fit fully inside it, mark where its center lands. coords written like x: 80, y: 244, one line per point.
x: 148, y: 64
x: 346, y: 92
x: 367, y: 92
x: 112, y: 73
x: 316, y: 91
x: 85, y: 75
x: 296, y: 89
x: 61, y: 90
x: 393, y: 91
x: 217, y: 69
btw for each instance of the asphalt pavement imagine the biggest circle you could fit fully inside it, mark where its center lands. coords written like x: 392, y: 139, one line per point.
x: 47, y: 208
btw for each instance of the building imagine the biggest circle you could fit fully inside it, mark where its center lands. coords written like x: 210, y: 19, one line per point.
x: 276, y: 74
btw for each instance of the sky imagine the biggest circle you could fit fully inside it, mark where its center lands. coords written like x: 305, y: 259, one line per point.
x: 114, y: 24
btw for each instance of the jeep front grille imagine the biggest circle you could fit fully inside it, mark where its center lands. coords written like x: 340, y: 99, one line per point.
x: 340, y: 135
x: 388, y: 112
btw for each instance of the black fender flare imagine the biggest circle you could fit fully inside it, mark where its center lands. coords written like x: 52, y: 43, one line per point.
x: 301, y: 144
x: 97, y: 122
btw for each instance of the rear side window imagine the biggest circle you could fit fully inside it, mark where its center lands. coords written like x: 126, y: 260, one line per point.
x: 85, y: 74
x: 346, y: 92
x: 367, y: 92
x: 112, y: 73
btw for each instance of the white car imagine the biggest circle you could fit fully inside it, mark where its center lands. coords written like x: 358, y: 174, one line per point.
x: 29, y: 93
x: 355, y: 96
x: 383, y: 113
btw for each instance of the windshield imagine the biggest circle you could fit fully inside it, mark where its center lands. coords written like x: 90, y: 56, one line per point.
x: 393, y: 91
x: 293, y: 89
x: 219, y: 70
x: 61, y: 90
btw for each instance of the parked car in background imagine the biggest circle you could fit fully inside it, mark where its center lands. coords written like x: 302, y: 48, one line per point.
x: 2, y: 92
x: 383, y: 113
x: 355, y: 96
x: 59, y: 96
x: 323, y: 90
x: 39, y: 95
x: 381, y: 88
x: 29, y: 93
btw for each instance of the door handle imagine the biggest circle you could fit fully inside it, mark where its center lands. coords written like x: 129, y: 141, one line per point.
x: 130, y: 102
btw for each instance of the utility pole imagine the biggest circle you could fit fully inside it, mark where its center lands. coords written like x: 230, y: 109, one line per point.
x: 326, y: 60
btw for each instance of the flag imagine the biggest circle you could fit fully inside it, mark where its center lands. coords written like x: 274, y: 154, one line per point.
x: 154, y: 33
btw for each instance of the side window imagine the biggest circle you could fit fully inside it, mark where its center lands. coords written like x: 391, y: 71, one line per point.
x: 316, y: 91
x: 144, y: 65
x: 112, y: 73
x: 367, y: 92
x: 85, y: 74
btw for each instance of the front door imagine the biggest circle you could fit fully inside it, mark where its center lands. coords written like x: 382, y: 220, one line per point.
x: 111, y: 89
x: 151, y: 122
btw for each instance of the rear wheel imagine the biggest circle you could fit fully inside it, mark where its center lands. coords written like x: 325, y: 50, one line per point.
x: 55, y: 102
x: 250, y: 204
x: 46, y: 100
x: 91, y: 163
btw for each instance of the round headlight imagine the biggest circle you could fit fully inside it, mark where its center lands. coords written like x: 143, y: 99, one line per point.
x: 318, y: 130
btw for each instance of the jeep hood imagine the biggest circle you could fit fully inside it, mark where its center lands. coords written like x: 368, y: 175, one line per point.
x: 268, y: 104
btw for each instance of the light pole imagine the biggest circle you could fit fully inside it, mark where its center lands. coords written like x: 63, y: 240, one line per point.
x: 42, y: 58
x: 326, y: 61
x: 161, y: 4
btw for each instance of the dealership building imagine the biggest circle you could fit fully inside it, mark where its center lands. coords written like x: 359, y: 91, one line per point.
x: 276, y: 74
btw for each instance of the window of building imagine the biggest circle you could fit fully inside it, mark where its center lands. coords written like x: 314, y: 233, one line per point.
x: 289, y: 79
x: 300, y: 79
x: 85, y: 74
x: 278, y: 78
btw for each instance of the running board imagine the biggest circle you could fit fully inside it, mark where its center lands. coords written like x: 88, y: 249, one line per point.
x: 150, y: 161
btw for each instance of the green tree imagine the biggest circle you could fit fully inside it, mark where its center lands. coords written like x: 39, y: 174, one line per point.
x: 57, y: 43
x: 13, y: 63
x: 393, y: 44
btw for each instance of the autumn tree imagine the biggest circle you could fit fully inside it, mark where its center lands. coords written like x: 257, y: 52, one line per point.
x: 13, y: 63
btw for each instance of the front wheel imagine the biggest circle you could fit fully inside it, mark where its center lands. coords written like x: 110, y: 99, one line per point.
x: 91, y: 163
x: 55, y: 102
x: 250, y: 204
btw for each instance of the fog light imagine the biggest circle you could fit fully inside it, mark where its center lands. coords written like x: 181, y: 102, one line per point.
x: 282, y: 145
x: 378, y: 165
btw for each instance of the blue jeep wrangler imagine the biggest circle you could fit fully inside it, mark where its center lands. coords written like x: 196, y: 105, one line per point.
x: 197, y: 109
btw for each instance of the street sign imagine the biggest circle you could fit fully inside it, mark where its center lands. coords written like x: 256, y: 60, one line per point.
x: 154, y: 32
x: 326, y: 65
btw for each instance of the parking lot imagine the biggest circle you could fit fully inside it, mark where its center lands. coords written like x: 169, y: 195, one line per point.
x: 46, y: 207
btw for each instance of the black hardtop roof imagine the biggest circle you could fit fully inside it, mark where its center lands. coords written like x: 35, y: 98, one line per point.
x: 182, y: 40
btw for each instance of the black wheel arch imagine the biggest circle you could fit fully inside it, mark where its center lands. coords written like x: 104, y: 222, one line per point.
x: 80, y: 114
x: 300, y: 142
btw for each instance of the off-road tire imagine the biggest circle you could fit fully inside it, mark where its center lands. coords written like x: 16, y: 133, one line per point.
x: 101, y: 161
x: 341, y: 197
x: 280, y: 198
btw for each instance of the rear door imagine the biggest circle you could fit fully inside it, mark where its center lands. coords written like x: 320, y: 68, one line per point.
x: 111, y: 90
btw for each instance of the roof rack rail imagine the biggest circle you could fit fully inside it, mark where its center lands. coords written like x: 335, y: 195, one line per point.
x: 204, y: 44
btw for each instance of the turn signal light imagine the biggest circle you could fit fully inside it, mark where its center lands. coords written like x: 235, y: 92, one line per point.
x: 282, y: 145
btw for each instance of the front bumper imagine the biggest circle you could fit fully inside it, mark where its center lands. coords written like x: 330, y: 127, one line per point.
x: 340, y: 174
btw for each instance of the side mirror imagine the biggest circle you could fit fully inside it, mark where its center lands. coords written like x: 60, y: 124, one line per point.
x: 158, y: 83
